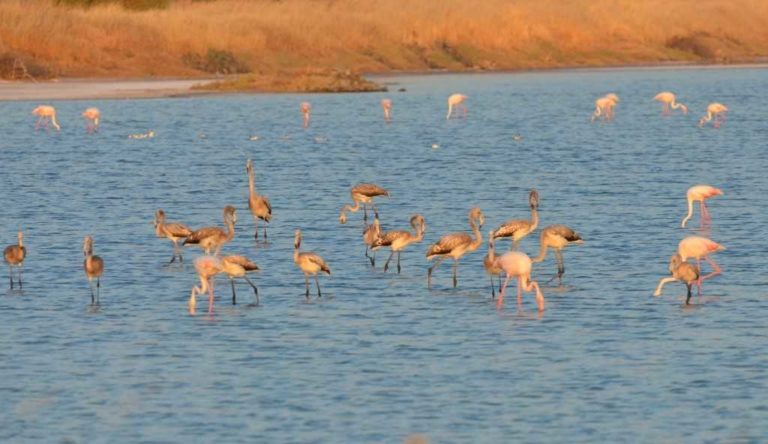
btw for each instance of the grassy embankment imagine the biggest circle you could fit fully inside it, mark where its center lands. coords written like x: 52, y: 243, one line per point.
x: 317, y: 45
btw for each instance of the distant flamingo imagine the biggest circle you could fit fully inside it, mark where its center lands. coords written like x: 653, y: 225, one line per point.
x: 14, y: 256
x: 700, y: 193
x: 516, y: 229
x: 557, y: 237
x: 371, y: 234
x: 399, y: 239
x: 716, y: 111
x: 258, y: 204
x: 362, y: 193
x: 174, y: 231
x: 92, y: 116
x: 213, y: 238
x: 306, y: 109
x: 93, y: 266
x: 309, y: 263
x: 681, y: 271
x: 456, y: 245
x: 207, y: 267
x: 237, y: 267
x: 456, y: 101
x: 518, y: 265
x: 699, y: 248
x: 46, y: 113
x: 604, y: 107
x: 668, y: 103
x: 490, y: 264
x: 386, y: 105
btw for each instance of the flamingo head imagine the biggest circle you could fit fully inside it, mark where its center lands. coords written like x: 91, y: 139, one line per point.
x: 533, y: 199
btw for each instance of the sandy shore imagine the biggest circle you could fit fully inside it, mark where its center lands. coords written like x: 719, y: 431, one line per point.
x: 72, y: 89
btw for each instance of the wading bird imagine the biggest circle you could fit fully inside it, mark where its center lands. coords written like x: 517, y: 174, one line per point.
x: 213, y: 238
x: 93, y: 266
x: 557, y: 237
x: 386, y: 105
x: 668, y: 103
x: 237, y: 267
x: 92, y: 117
x: 309, y: 263
x: 716, y: 111
x: 517, y: 265
x: 399, y: 239
x: 456, y: 101
x: 700, y: 193
x: 306, y: 109
x: 370, y: 234
x: 699, y: 248
x: 681, y: 271
x: 14, y: 256
x: 258, y: 204
x: 362, y: 193
x: 174, y: 231
x: 516, y: 229
x: 490, y: 264
x: 604, y: 107
x: 206, y: 267
x: 456, y: 245
x: 45, y: 114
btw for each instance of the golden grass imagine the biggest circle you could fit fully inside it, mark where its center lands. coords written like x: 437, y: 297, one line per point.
x: 382, y: 35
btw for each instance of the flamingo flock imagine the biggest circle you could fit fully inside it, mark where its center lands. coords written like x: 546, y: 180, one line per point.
x: 513, y: 264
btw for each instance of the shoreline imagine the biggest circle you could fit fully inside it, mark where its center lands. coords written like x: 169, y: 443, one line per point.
x: 142, y: 88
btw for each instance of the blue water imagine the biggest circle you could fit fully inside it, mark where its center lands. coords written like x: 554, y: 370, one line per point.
x: 380, y: 356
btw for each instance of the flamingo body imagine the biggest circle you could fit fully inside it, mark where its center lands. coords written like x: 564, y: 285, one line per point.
x: 456, y: 101
x: 45, y: 114
x: 518, y: 265
x: 715, y: 111
x: 14, y: 256
x: 668, y: 101
x: 700, y: 193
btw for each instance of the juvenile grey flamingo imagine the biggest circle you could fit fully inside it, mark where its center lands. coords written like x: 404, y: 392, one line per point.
x: 258, y: 204
x: 14, y: 256
x: 236, y: 266
x: 362, y: 193
x: 516, y: 229
x: 213, y: 238
x: 490, y: 264
x: 173, y: 231
x: 398, y: 240
x: 309, y: 263
x: 371, y: 233
x: 456, y: 245
x: 681, y: 271
x: 557, y: 237
x: 93, y: 266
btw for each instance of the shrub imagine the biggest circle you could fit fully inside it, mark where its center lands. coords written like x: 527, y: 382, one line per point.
x: 215, y: 61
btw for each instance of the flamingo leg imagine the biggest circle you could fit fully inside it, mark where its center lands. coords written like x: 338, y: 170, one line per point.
x: 265, y: 231
x: 705, y: 213
x: 519, y: 290
x: 10, y: 275
x: 306, y: 286
x: 398, y: 262
x: 493, y: 287
x: 455, y: 272
x: 210, y: 295
x: 514, y: 245
x: 500, y: 301
x: 93, y: 296
x: 317, y: 282
x: 688, y: 299
x: 21, y: 275
x: 431, y: 270
x: 716, y: 268
x: 386, y: 264
x: 256, y: 233
x: 234, y: 296
x: 255, y: 290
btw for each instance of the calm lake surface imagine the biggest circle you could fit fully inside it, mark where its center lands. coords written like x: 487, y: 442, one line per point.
x: 380, y: 356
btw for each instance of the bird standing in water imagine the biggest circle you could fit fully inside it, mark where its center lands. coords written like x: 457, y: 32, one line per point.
x: 681, y: 271
x: 309, y: 263
x: 456, y: 245
x: 258, y: 204
x: 94, y: 268
x: 14, y: 256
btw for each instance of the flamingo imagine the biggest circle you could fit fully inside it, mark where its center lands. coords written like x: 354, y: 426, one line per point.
x: 456, y: 245
x: 516, y: 229
x: 386, y: 105
x: 557, y: 237
x: 174, y: 231
x: 490, y: 264
x: 456, y: 101
x: 399, y: 239
x: 92, y: 117
x: 93, y: 266
x: 700, y: 193
x: 716, y: 111
x: 699, y: 248
x: 362, y: 193
x: 518, y: 265
x: 46, y: 113
x: 309, y: 263
x: 681, y: 271
x: 148, y: 135
x: 668, y: 103
x: 213, y: 238
x: 306, y: 109
x: 258, y: 204
x: 604, y: 107
x: 237, y: 267
x: 14, y: 256
x: 371, y: 233
x: 206, y: 267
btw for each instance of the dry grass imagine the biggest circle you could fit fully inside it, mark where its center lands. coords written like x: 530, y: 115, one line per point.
x: 375, y: 35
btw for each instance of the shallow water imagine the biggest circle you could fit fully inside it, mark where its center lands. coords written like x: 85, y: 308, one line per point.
x: 380, y: 356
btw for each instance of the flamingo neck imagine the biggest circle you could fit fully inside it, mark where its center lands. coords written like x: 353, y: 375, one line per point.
x: 534, y: 218
x: 689, y: 215
x: 478, y: 236
x: 542, y: 249
x: 251, y: 184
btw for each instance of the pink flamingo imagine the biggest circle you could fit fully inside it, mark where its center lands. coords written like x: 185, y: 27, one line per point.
x: 386, y: 105
x: 700, y: 193
x: 207, y: 267
x: 306, y: 109
x: 46, y: 113
x: 699, y: 248
x: 604, y: 107
x: 92, y: 116
x: 518, y: 265
x: 668, y: 103
x: 716, y: 111
x: 456, y: 101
